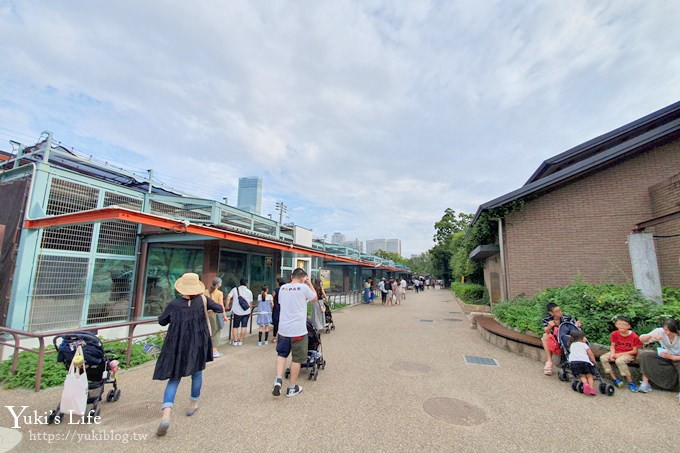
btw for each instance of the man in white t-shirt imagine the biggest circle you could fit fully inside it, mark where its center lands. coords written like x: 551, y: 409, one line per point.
x: 383, y: 290
x: 402, y: 289
x: 239, y: 315
x: 292, y: 336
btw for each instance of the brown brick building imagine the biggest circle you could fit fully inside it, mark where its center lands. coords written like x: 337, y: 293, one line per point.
x: 581, y: 205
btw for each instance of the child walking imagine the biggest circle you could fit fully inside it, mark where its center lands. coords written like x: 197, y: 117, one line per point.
x: 265, y: 306
x: 582, y: 361
x: 624, y: 348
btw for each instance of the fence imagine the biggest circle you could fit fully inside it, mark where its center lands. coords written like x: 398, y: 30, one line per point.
x: 42, y: 350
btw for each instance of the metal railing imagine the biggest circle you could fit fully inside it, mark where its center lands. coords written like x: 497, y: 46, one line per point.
x: 42, y: 349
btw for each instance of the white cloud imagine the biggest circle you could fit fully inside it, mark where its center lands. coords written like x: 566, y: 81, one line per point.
x: 373, y: 116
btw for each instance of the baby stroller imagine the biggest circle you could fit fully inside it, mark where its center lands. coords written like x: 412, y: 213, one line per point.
x: 100, y: 369
x: 563, y: 332
x: 329, y: 324
x: 315, y: 358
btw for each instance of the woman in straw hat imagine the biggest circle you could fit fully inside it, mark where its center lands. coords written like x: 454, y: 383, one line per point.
x: 187, y: 345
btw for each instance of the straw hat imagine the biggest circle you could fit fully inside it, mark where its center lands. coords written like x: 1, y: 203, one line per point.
x: 189, y: 285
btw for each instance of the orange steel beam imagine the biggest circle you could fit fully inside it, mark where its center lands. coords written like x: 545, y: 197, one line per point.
x: 127, y: 215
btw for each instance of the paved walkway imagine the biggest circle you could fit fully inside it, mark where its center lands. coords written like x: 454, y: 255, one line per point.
x: 386, y: 370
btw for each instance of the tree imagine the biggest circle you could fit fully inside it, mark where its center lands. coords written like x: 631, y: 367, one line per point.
x: 397, y: 258
x: 449, y: 224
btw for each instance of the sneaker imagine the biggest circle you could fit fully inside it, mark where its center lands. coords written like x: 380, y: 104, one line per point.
x: 259, y: 343
x: 644, y: 387
x: 548, y: 368
x: 240, y: 343
x: 632, y: 387
x: 234, y: 343
x: 618, y: 383
x: 277, y: 387
x: 588, y: 390
x: 217, y: 355
x: 266, y: 342
x: 294, y: 390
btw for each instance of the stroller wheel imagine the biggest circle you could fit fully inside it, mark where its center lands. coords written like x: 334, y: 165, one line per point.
x: 610, y: 390
x: 54, y: 416
x: 603, y: 388
x: 116, y: 395
x: 573, y: 386
x: 333, y: 327
x: 93, y: 413
x: 579, y: 387
x: 562, y: 376
x: 110, y: 395
x: 323, y: 364
x: 316, y: 373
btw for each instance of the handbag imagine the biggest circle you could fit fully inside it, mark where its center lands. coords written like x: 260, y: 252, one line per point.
x: 74, y: 395
x: 205, y: 310
x: 242, y: 301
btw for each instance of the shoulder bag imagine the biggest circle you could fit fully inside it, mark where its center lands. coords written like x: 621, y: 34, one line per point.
x: 242, y: 301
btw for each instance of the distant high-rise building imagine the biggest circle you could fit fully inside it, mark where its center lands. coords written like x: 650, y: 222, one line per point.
x: 373, y: 245
x: 250, y: 194
x: 338, y: 238
x: 357, y: 244
x: 388, y: 245
x: 394, y: 246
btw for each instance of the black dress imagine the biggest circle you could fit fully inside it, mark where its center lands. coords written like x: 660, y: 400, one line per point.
x: 187, y: 345
x: 277, y: 310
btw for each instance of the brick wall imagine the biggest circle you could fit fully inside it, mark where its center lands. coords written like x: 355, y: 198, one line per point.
x: 582, y: 228
x: 665, y: 198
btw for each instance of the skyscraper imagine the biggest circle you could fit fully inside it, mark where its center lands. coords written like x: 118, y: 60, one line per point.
x: 338, y: 238
x: 250, y: 194
x: 388, y: 245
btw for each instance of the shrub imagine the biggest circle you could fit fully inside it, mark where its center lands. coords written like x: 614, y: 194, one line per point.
x: 471, y: 293
x: 596, y: 306
x: 54, y: 372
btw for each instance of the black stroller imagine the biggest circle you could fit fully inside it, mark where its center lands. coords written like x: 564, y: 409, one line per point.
x: 100, y: 369
x: 315, y: 360
x: 329, y: 324
x: 563, y: 332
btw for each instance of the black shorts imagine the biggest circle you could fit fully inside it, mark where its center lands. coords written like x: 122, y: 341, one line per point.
x: 579, y: 368
x: 240, y: 321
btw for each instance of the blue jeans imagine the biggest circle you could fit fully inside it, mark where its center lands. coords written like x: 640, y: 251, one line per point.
x: 171, y: 389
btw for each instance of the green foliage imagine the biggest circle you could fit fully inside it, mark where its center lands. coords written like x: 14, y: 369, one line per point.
x: 54, y: 372
x: 596, y: 306
x: 450, y: 224
x: 470, y: 293
x: 397, y: 258
x: 420, y: 264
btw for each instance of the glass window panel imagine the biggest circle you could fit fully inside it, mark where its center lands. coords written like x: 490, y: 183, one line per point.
x: 165, y: 266
x: 232, y: 268
x: 261, y: 273
x: 111, y: 291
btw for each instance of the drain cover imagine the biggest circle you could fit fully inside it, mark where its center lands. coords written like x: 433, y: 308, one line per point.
x: 410, y: 368
x: 455, y: 312
x: 452, y: 319
x: 427, y: 320
x: 454, y: 411
x: 480, y: 360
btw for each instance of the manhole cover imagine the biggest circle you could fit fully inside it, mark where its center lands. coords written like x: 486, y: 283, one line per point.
x: 473, y: 359
x: 128, y: 416
x: 410, y: 368
x: 454, y: 411
x: 455, y: 312
x: 427, y: 320
x: 453, y: 319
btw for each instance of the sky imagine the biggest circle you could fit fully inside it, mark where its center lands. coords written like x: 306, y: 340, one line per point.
x: 366, y: 117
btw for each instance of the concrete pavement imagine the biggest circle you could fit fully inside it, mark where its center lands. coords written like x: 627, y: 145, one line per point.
x: 396, y: 380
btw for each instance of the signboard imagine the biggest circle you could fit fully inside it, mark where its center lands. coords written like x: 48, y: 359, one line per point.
x: 325, y: 276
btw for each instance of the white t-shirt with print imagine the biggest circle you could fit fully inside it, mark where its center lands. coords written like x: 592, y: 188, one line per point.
x: 293, y: 298
x: 403, y: 284
x: 235, y: 306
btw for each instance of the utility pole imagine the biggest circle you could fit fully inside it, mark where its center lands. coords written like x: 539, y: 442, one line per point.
x: 282, y: 208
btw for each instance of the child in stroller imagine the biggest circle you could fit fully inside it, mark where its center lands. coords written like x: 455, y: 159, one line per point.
x: 565, y: 332
x: 315, y: 358
x: 100, y: 369
x: 329, y: 324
